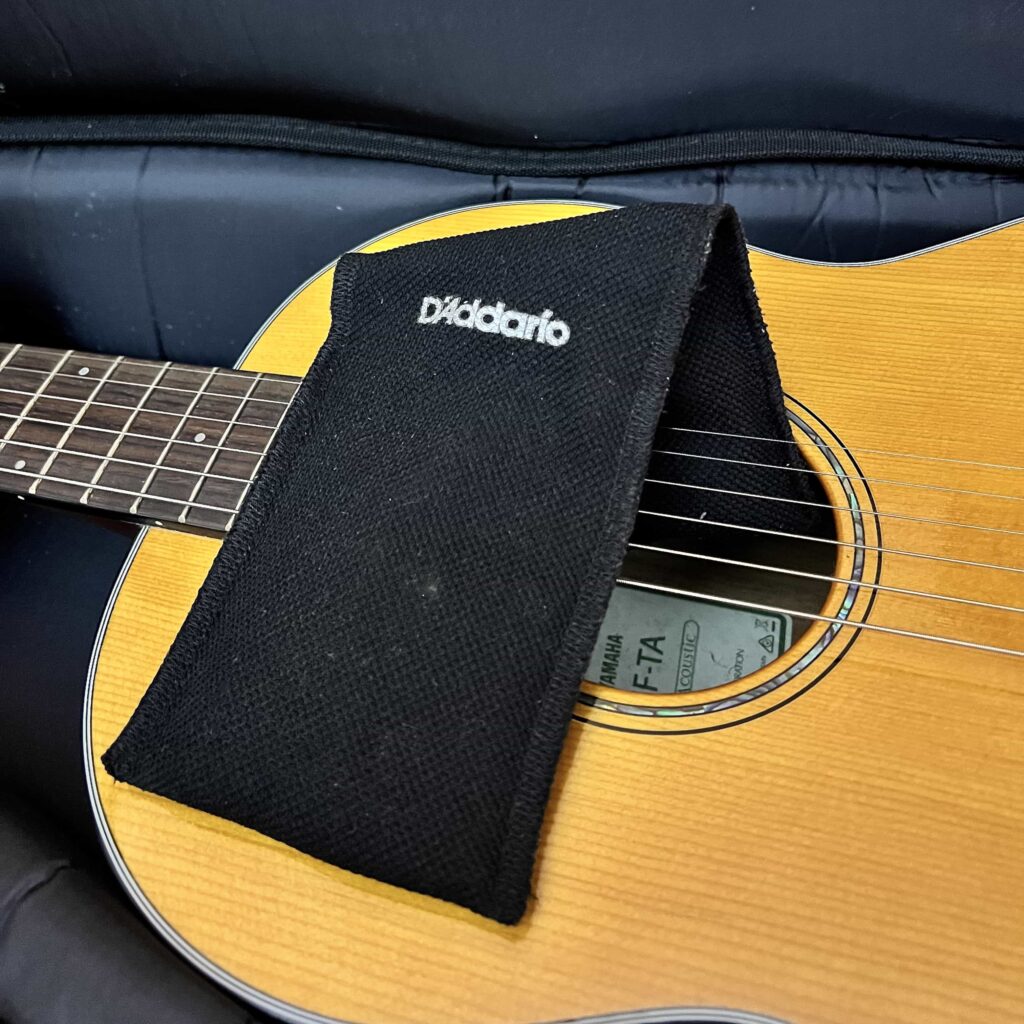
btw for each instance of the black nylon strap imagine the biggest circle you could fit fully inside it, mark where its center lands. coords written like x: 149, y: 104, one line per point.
x: 382, y: 664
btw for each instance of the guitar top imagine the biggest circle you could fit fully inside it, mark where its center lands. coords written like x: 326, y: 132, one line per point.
x: 835, y: 836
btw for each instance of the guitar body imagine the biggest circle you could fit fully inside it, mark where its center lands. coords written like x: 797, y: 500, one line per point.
x: 837, y: 838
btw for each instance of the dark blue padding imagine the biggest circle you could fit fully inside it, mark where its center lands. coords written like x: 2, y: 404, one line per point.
x: 71, y: 953
x: 531, y: 72
x: 57, y: 569
x: 183, y: 252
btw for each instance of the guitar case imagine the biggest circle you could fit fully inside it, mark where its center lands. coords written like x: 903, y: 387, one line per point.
x: 168, y: 175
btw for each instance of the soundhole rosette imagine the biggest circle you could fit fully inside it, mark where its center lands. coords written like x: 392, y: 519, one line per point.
x: 830, y: 628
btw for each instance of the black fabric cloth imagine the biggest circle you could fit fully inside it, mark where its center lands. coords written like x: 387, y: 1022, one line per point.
x: 381, y: 665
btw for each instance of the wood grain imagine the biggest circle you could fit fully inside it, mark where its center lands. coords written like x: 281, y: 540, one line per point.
x: 855, y: 855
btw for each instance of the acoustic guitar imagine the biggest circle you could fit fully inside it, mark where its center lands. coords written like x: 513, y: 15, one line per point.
x: 818, y: 818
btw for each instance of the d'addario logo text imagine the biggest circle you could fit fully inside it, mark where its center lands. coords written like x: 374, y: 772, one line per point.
x: 494, y: 319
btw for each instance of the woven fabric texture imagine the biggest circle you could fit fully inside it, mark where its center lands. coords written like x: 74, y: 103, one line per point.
x: 381, y: 667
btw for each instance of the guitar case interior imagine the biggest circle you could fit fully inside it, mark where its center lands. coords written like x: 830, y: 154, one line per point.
x: 169, y: 173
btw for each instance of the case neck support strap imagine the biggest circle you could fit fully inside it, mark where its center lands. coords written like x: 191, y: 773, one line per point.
x: 382, y: 664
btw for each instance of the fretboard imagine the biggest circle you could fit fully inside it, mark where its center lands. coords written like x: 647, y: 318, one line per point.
x: 151, y: 441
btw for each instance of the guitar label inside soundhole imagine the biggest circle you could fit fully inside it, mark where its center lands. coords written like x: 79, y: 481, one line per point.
x: 662, y: 643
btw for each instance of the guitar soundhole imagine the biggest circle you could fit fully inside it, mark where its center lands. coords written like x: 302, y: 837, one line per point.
x: 706, y: 602
x: 721, y: 641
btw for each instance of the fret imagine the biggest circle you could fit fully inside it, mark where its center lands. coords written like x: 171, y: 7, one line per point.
x: 75, y: 446
x: 77, y: 389
x: 277, y: 391
x: 243, y: 437
x: 255, y: 467
x: 88, y: 366
x: 121, y: 395
x: 240, y: 465
x: 223, y: 376
x: 226, y: 443
x: 11, y: 405
x: 154, y: 509
x: 214, y: 507
x: 34, y: 401
x: 28, y: 357
x: 264, y: 414
x: 249, y: 438
x: 120, y: 438
x: 273, y: 388
x: 190, y: 456
x: 15, y: 454
x: 218, y: 495
x: 16, y: 460
x: 23, y: 382
x: 226, y: 511
x: 55, y: 410
x: 128, y: 476
x: 226, y: 384
x: 43, y: 435
x: 156, y: 441
x: 105, y: 417
x: 68, y: 387
x: 215, y: 408
x: 72, y: 465
x: 7, y: 351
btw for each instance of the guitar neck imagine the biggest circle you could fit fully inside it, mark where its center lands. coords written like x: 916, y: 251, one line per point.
x: 156, y: 442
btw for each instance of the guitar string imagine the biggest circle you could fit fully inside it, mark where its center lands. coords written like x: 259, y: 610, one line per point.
x: 817, y: 617
x: 85, y: 485
x: 840, y: 508
x: 690, y: 430
x: 649, y: 480
x: 692, y: 519
x: 693, y: 455
x: 696, y: 594
x: 839, y: 476
x: 148, y: 363
x: 742, y: 462
x: 673, y: 590
x: 845, y: 448
x: 145, y: 437
x: 931, y: 556
x: 166, y: 387
x: 154, y: 412
x: 672, y: 551
x: 693, y: 430
x: 800, y: 574
x: 247, y: 480
x: 684, y: 554
x: 205, y: 474
x: 735, y: 462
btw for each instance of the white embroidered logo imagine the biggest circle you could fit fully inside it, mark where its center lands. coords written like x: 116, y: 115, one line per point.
x: 495, y: 319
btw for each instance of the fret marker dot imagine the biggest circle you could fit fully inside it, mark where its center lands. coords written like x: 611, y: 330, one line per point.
x: 20, y: 464
x: 200, y: 437
x: 84, y: 371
